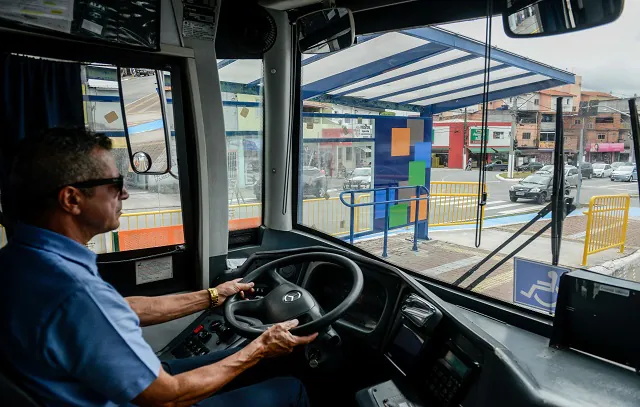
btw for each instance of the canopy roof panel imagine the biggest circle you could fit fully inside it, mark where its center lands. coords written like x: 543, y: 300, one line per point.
x: 427, y: 70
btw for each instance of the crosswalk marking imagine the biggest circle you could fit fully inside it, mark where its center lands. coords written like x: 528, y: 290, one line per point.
x: 502, y: 206
x: 529, y: 208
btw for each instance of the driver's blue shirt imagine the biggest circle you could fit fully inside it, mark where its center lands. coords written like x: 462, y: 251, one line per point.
x: 69, y: 335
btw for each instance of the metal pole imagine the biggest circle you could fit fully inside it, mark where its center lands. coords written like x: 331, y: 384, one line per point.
x: 386, y: 224
x: 580, y: 159
x: 514, y: 113
x: 352, y: 210
x: 464, y: 141
x: 415, y: 225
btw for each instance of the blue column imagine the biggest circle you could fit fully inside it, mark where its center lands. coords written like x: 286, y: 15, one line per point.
x: 423, y: 228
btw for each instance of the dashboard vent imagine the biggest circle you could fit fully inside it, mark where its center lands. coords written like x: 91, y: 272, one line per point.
x: 417, y: 310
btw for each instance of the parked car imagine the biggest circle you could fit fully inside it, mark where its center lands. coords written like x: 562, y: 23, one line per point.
x: 572, y: 176
x: 536, y: 186
x: 314, y: 181
x: 360, y: 178
x: 626, y: 172
x: 615, y: 165
x: 602, y: 170
x: 547, y: 169
x: 530, y: 166
x: 497, y: 166
x: 587, y: 170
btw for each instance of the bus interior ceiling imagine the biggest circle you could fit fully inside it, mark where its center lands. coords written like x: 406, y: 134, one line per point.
x: 330, y: 166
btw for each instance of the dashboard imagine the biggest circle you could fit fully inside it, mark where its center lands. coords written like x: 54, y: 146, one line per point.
x: 434, y: 353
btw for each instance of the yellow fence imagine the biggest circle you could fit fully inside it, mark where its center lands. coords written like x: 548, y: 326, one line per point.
x: 453, y: 203
x: 332, y: 217
x: 607, y: 220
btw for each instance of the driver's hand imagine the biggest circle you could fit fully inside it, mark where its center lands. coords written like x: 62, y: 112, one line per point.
x: 230, y: 288
x: 277, y: 340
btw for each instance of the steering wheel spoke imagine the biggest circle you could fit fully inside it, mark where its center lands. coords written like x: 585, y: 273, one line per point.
x: 248, y: 307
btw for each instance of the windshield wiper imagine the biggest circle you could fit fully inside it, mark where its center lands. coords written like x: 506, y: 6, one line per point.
x: 560, y: 207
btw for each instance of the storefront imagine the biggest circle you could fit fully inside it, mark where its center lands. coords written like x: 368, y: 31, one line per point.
x: 606, y: 152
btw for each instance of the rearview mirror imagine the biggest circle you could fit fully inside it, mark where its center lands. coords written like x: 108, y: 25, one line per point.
x: 326, y: 31
x: 540, y: 18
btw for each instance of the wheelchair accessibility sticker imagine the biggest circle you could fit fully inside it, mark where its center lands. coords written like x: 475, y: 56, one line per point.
x: 536, y: 284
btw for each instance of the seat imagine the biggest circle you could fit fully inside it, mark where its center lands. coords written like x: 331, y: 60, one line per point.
x: 11, y: 392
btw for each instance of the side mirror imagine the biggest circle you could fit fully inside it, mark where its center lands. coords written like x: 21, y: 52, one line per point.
x: 144, y: 113
x: 326, y: 31
x: 524, y: 19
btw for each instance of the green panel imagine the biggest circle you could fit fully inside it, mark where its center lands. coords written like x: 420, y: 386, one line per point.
x: 417, y: 172
x: 398, y: 215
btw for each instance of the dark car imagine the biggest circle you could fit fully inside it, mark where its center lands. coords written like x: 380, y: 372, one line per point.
x: 587, y: 170
x: 497, y: 166
x: 530, y: 167
x: 537, y: 187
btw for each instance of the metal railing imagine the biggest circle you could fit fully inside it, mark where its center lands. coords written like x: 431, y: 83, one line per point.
x: 421, y: 194
x: 607, y: 220
x: 453, y: 203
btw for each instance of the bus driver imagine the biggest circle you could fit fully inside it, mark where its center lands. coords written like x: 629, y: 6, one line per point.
x: 74, y: 340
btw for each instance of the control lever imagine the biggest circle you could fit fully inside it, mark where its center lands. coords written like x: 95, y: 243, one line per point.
x: 325, y: 340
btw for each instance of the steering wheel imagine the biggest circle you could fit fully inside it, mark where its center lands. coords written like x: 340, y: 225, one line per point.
x: 287, y: 300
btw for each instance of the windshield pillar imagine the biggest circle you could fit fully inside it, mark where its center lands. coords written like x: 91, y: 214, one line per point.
x: 278, y: 98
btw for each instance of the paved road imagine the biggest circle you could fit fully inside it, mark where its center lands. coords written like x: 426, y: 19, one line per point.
x: 498, y: 203
x: 136, y: 88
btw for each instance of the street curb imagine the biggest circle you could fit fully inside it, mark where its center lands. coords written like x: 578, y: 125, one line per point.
x: 499, y: 176
x: 617, y: 267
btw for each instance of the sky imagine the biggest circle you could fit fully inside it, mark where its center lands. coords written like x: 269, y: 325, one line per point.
x: 607, y: 57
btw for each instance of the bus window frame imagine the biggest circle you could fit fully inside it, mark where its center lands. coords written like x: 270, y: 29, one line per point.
x: 185, y: 257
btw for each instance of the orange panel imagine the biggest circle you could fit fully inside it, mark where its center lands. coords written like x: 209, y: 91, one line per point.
x: 150, y: 237
x: 246, y: 223
x: 400, y: 142
x: 422, y: 211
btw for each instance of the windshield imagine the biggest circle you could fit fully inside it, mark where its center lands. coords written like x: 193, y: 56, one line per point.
x: 534, y: 179
x: 361, y: 172
x: 409, y: 106
x: 598, y: 166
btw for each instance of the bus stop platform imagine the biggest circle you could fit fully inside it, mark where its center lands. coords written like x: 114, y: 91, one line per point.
x: 450, y: 253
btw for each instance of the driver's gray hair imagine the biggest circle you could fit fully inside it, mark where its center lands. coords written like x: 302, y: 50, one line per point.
x: 50, y: 160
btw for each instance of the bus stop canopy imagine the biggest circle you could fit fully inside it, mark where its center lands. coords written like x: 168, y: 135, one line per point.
x: 427, y: 70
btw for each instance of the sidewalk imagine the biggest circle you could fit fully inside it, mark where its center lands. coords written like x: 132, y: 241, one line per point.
x: 450, y: 253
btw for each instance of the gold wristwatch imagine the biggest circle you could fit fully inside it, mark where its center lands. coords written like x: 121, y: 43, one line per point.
x: 213, y: 297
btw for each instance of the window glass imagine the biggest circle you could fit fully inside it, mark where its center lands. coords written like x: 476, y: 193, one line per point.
x: 152, y: 216
x: 412, y: 112
x: 242, y: 101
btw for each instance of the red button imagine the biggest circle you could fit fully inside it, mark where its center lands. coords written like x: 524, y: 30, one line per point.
x: 198, y: 329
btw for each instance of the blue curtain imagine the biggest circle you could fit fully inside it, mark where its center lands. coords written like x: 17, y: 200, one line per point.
x: 35, y: 94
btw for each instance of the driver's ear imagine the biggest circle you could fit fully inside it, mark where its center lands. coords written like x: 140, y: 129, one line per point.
x: 71, y: 200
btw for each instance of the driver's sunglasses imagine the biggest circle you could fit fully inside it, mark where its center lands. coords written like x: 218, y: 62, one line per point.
x: 118, y: 182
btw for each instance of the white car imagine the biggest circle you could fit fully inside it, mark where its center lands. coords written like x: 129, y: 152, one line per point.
x: 572, y: 175
x: 602, y: 170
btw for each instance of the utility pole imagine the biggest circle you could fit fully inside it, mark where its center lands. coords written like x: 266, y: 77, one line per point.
x: 583, y: 119
x: 514, y: 113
